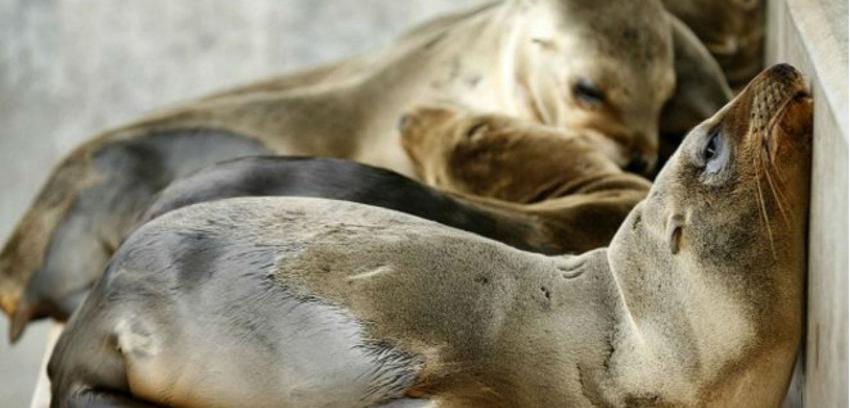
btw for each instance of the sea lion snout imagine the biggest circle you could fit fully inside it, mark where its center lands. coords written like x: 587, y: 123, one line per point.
x: 771, y: 91
x: 642, y: 163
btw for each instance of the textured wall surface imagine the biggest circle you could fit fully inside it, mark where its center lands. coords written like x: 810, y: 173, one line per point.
x: 812, y: 35
x: 69, y: 68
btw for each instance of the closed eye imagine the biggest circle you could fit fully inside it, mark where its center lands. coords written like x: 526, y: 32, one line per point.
x: 586, y: 92
x: 477, y: 128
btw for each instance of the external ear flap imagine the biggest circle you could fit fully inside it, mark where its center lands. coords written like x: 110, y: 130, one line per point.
x: 701, y: 88
x: 674, y: 232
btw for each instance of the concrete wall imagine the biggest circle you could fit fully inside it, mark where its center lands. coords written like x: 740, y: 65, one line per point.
x: 69, y: 68
x: 812, y: 35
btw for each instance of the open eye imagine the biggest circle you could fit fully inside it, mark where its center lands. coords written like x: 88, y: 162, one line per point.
x: 585, y: 91
x: 715, y: 153
x: 712, y: 147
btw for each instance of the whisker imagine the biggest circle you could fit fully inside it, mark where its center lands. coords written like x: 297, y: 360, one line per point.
x: 763, y: 208
x: 779, y: 181
x: 780, y: 202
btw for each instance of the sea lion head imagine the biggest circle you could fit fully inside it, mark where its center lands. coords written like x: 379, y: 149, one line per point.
x: 730, y: 208
x: 497, y: 156
x: 600, y: 66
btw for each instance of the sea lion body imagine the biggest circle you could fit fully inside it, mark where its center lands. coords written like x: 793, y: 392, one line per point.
x: 512, y: 57
x: 348, y: 181
x: 365, y: 252
x: 580, y: 196
x: 694, y: 303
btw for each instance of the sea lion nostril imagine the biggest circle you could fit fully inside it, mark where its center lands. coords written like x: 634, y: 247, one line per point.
x: 403, y: 122
x: 638, y: 164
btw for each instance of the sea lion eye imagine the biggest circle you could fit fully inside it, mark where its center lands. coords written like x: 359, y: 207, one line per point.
x: 711, y: 148
x: 715, y: 154
x: 476, y: 128
x: 585, y: 91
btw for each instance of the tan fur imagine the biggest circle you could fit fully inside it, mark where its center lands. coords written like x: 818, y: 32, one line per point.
x: 575, y: 194
x: 500, y: 157
x: 514, y: 57
x: 736, y: 284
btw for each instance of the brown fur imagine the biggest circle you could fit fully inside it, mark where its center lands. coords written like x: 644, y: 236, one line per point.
x: 559, y: 178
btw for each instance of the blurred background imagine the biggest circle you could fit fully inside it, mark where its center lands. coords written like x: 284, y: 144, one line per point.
x: 70, y: 68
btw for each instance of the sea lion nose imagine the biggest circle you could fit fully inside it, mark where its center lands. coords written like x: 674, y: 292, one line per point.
x: 639, y: 164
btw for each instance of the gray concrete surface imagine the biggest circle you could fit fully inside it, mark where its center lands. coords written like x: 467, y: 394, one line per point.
x: 812, y: 35
x: 69, y: 68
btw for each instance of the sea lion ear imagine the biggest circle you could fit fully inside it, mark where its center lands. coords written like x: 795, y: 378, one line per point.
x: 674, y: 232
x: 701, y: 87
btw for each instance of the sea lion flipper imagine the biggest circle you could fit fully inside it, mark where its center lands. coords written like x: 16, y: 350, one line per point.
x: 34, y: 306
x: 24, y: 312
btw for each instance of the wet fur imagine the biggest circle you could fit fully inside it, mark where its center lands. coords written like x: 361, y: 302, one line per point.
x: 464, y: 58
x: 714, y: 322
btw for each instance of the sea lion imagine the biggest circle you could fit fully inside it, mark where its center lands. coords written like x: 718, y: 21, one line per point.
x: 580, y: 217
x: 496, y: 156
x: 580, y: 198
x: 733, y: 30
x: 555, y: 61
x: 310, y: 302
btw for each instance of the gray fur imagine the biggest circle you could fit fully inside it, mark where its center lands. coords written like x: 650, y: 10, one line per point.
x: 125, y: 178
x: 208, y: 288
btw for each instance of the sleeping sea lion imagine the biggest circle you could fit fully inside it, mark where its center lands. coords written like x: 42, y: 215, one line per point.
x: 307, y: 302
x: 496, y: 156
x: 555, y: 61
x: 580, y: 197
